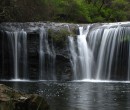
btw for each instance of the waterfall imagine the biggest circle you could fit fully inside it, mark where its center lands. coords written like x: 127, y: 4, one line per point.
x: 16, y: 55
x: 101, y: 53
x: 128, y: 38
x: 47, y: 57
x: 18, y: 45
x: 82, y: 57
x: 73, y: 60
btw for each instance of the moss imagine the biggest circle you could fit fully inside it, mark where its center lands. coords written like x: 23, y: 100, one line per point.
x: 59, y: 37
x: 74, y: 32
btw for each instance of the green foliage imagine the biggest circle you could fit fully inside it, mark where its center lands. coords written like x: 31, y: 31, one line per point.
x: 82, y: 11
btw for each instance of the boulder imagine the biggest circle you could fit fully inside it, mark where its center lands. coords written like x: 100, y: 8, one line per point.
x: 14, y: 100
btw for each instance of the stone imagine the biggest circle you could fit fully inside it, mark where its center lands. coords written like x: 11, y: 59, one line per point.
x: 14, y: 100
x: 57, y: 33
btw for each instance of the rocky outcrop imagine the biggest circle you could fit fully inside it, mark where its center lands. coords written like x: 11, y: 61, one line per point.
x: 13, y: 100
x: 57, y: 33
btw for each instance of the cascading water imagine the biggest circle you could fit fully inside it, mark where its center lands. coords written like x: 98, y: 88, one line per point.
x: 18, y: 55
x: 82, y: 57
x: 101, y: 53
x: 129, y: 64
x: 46, y: 57
x: 18, y: 44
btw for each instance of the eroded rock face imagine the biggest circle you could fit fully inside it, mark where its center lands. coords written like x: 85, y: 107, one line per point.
x: 57, y: 33
x: 14, y: 100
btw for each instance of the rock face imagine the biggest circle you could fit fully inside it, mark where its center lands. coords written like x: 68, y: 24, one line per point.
x: 13, y: 100
x: 57, y: 32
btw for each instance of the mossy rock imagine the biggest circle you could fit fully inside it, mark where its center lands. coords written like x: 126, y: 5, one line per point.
x: 13, y: 100
x: 59, y: 37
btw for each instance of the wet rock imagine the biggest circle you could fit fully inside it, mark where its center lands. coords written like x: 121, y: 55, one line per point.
x: 57, y: 35
x: 14, y: 100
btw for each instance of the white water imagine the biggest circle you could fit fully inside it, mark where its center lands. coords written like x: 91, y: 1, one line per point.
x: 81, y: 62
x: 102, y: 53
x: 41, y: 53
x: 46, y: 57
x: 16, y: 55
x: 128, y: 31
x: 18, y: 46
x: 74, y: 56
x: 24, y: 52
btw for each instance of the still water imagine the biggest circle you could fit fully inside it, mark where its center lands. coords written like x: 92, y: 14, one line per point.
x: 79, y: 95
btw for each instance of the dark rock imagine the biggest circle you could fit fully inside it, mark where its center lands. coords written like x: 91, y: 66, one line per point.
x: 57, y: 33
x: 63, y: 68
x: 13, y: 100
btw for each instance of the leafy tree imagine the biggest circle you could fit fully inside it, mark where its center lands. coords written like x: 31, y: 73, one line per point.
x: 82, y: 11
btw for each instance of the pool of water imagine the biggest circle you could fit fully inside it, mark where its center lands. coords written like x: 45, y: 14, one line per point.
x: 78, y: 95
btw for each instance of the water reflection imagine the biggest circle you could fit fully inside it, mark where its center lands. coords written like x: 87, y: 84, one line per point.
x: 79, y: 95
